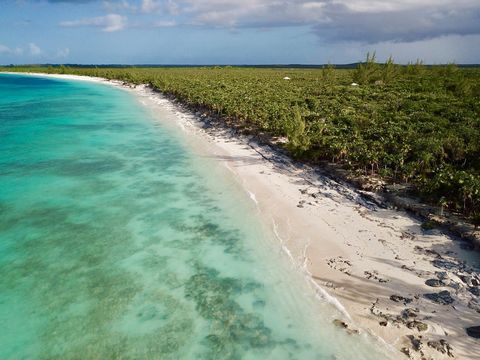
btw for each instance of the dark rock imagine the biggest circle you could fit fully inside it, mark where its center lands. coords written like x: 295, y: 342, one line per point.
x: 417, y: 324
x: 474, y: 290
x: 340, y: 323
x: 344, y: 325
x: 383, y: 323
x: 445, y: 264
x: 473, y: 331
x: 398, y: 298
x: 434, y: 283
x: 409, y: 312
x: 443, y: 297
x: 474, y: 304
x: 467, y: 279
x: 442, y: 275
x: 416, y: 342
x: 441, y: 346
x: 454, y: 285
x: 467, y: 246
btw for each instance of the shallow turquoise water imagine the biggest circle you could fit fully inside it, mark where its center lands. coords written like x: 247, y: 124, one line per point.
x: 115, y: 243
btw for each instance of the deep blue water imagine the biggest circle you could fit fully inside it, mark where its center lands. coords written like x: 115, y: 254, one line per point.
x: 115, y: 243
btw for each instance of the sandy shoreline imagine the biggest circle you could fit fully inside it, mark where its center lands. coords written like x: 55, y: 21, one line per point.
x: 373, y: 261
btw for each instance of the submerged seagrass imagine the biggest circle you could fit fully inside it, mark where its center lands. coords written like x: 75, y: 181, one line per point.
x: 115, y: 242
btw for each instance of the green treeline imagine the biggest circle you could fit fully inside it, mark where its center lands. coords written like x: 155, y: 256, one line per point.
x: 407, y: 124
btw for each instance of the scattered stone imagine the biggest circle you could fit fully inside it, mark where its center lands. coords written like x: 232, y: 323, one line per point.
x: 443, y: 297
x: 398, y: 298
x: 442, y: 275
x: 474, y: 305
x: 441, y: 346
x: 467, y: 279
x: 416, y: 342
x: 405, y: 267
x: 473, y: 331
x: 344, y: 325
x: 474, y: 290
x: 446, y: 264
x: 374, y: 275
x: 434, y: 283
x: 340, y: 323
x: 417, y: 324
x: 406, y: 351
x: 454, y: 285
x: 433, y: 252
x: 409, y: 313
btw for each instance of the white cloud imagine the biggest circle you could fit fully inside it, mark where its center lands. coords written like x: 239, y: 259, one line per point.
x: 150, y: 6
x: 62, y: 53
x: 164, y: 23
x: 114, y: 6
x: 108, y: 23
x: 34, y: 49
x: 5, y: 50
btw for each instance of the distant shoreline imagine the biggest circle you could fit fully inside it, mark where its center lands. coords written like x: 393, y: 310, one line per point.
x: 375, y: 261
x: 259, y: 66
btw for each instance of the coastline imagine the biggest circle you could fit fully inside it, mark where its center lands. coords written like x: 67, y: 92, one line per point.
x: 373, y: 261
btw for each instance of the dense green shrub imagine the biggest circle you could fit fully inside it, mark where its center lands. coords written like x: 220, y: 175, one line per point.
x: 414, y: 124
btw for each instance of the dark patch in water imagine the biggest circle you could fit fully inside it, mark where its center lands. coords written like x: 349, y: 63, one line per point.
x: 234, y: 330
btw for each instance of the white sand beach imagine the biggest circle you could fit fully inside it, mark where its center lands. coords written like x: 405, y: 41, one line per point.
x: 371, y: 261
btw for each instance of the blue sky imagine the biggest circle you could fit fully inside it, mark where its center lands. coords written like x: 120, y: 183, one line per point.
x: 237, y: 32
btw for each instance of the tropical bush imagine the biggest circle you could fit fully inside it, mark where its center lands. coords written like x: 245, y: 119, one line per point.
x: 409, y: 124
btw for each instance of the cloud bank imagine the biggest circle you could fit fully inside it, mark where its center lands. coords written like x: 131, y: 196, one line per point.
x: 108, y: 23
x: 366, y: 21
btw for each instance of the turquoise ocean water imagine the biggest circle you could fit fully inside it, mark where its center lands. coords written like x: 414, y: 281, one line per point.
x: 117, y: 241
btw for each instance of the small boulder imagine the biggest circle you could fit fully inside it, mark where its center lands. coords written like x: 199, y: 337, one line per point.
x: 416, y: 342
x: 442, y: 275
x: 344, y: 325
x: 467, y: 279
x: 473, y: 331
x: 420, y: 326
x: 398, y: 298
x: 340, y: 323
x: 434, y: 283
x: 474, y: 290
x: 441, y: 346
x: 443, y: 297
x: 446, y: 264
x: 409, y: 313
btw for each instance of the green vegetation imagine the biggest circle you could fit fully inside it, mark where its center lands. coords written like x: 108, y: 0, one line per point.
x: 406, y: 124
